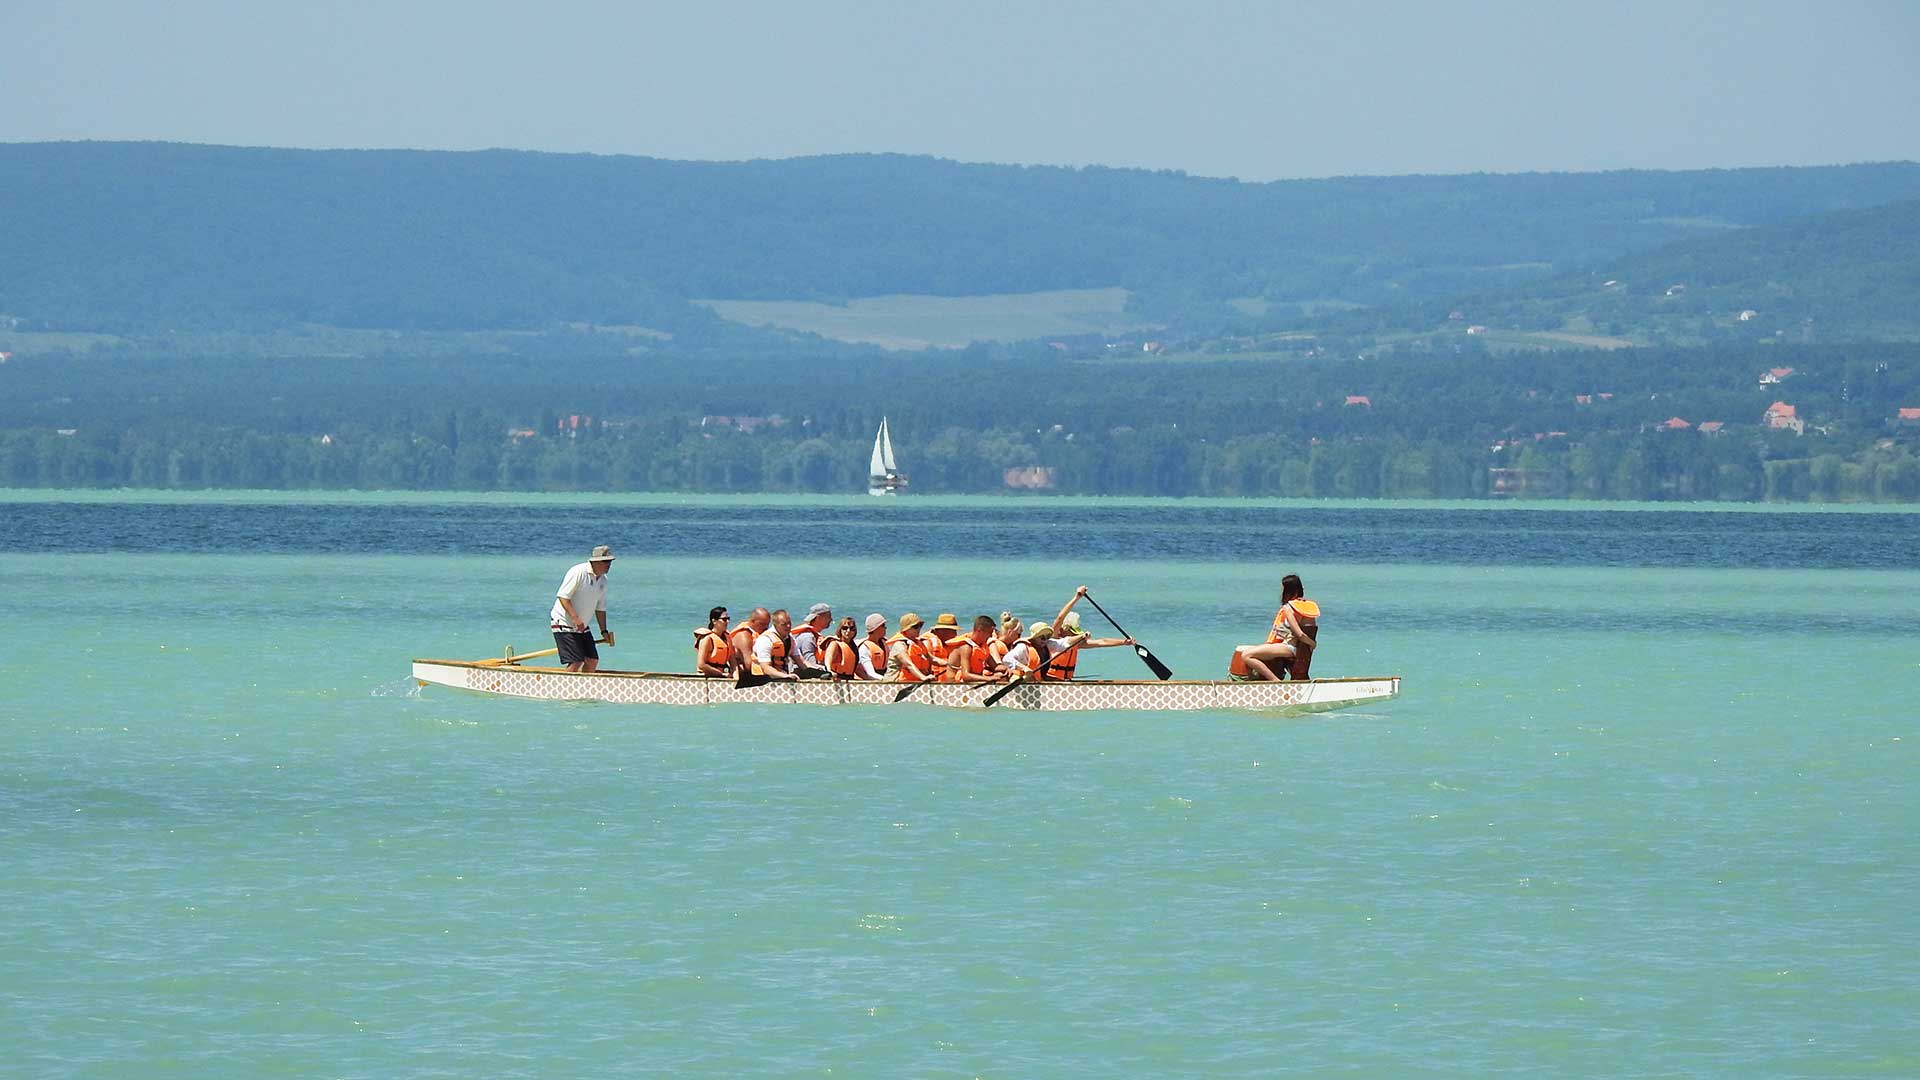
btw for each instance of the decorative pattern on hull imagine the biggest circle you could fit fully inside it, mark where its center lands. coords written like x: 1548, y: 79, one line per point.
x: 644, y: 688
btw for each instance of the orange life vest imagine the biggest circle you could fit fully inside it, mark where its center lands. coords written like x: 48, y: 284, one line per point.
x: 777, y: 653
x: 977, y: 659
x: 1063, y: 665
x: 997, y: 649
x: 1306, y: 612
x: 916, y: 652
x: 742, y: 649
x: 876, y: 655
x: 839, y: 657
x: 940, y: 650
x: 722, y: 650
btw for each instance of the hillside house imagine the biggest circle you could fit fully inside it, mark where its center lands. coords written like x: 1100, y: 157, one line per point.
x: 1775, y: 376
x: 1781, y: 416
x: 1029, y: 477
x: 1907, y: 416
x: 1675, y: 424
x: 1583, y: 399
x: 1712, y: 427
x: 1476, y: 329
x: 1676, y: 290
x: 1359, y: 399
x: 1749, y: 315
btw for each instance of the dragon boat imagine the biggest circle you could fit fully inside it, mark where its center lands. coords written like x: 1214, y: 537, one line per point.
x: 508, y: 678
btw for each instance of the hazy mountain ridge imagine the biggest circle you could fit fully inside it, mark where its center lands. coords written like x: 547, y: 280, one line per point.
x: 144, y: 236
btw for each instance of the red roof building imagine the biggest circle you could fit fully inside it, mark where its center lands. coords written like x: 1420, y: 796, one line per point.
x: 1781, y: 416
x: 1359, y: 399
x: 1675, y: 424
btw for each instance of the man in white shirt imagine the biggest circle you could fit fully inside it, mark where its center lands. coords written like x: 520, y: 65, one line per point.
x: 772, y: 651
x: 582, y: 595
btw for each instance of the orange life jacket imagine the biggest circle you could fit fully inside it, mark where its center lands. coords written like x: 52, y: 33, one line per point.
x: 722, y: 650
x: 876, y: 655
x: 742, y: 649
x: 777, y: 653
x: 977, y: 659
x: 1305, y: 612
x: 916, y: 652
x: 838, y: 657
x: 1063, y: 665
x: 997, y: 649
x: 940, y: 650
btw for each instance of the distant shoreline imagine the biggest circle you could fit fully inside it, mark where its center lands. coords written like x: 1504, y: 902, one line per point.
x: 348, y: 497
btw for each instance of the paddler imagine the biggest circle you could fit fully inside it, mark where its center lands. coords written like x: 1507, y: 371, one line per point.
x: 841, y: 654
x: 969, y: 661
x: 1011, y: 630
x: 582, y: 594
x: 941, y: 637
x: 1070, y: 627
x: 1039, y: 646
x: 711, y: 653
x: 742, y: 637
x: 1290, y: 642
x: 773, y: 649
x: 873, y: 649
x: 907, y: 657
x: 807, y: 642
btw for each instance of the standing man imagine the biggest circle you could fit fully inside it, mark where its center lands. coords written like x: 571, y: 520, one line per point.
x: 582, y: 595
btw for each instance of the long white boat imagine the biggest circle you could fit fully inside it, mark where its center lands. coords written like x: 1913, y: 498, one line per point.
x: 654, y: 688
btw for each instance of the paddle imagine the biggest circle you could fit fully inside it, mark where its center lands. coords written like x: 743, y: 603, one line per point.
x: 1038, y: 674
x: 512, y: 658
x: 1159, y: 669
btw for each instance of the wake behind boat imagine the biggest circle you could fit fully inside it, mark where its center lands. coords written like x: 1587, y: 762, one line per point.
x: 507, y: 679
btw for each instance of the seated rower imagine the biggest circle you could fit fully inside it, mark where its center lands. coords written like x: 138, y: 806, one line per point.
x: 873, y: 649
x: 839, y: 654
x: 1011, y: 630
x: 712, y: 655
x: 941, y: 637
x: 740, y: 640
x: 969, y: 661
x: 1068, y: 625
x: 807, y: 642
x: 1038, y: 648
x: 1289, y: 645
x: 907, y: 657
x: 773, y: 649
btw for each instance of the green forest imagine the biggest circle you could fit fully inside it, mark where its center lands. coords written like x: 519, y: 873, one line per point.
x: 1585, y: 424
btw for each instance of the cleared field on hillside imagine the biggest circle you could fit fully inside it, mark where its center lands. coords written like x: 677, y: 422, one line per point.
x: 916, y: 322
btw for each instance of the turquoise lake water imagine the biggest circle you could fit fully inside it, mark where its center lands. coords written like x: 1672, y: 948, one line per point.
x: 1646, y: 807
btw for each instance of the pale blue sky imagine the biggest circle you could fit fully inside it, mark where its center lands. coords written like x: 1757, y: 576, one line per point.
x: 1254, y: 90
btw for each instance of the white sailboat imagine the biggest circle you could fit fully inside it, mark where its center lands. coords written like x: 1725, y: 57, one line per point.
x: 883, y: 476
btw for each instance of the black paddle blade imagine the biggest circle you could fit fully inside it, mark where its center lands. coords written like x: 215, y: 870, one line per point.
x: 748, y: 680
x: 994, y: 697
x: 902, y: 695
x: 1159, y: 669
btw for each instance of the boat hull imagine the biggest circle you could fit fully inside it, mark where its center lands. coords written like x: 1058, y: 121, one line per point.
x: 647, y: 688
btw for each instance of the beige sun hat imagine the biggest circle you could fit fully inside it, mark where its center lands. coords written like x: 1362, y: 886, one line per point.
x: 603, y: 553
x: 909, y: 621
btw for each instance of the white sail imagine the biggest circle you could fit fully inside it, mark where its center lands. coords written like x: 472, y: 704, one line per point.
x: 883, y: 476
x: 878, y: 467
